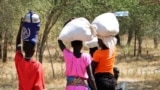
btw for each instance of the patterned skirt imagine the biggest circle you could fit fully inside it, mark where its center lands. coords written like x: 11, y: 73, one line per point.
x: 76, y: 83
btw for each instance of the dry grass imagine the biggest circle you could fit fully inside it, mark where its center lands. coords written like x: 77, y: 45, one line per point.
x: 142, y: 73
x: 135, y: 73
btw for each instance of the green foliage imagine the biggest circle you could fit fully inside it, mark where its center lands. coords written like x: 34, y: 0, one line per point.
x: 141, y: 12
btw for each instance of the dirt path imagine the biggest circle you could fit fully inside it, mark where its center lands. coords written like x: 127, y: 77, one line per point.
x: 139, y: 85
x: 151, y: 80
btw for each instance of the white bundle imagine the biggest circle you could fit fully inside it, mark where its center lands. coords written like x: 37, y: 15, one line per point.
x: 92, y: 43
x: 77, y: 29
x: 106, y: 24
x: 110, y: 42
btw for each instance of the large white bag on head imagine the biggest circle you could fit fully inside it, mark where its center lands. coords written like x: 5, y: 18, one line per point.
x: 106, y: 24
x: 77, y: 29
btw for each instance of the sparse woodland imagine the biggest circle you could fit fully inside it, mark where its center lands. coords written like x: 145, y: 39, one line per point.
x: 138, y: 49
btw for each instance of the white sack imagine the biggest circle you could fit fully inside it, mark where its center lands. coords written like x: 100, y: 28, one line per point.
x: 93, y: 43
x: 106, y: 24
x: 77, y: 29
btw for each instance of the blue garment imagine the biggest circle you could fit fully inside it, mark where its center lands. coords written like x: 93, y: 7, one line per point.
x: 30, y: 32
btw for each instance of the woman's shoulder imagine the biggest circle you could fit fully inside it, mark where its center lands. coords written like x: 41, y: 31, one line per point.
x: 86, y: 56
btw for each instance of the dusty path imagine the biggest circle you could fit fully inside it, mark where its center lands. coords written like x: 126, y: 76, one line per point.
x: 151, y: 80
x: 126, y: 85
x: 139, y: 85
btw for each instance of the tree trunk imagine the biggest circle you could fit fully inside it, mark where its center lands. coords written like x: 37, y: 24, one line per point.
x: 0, y: 45
x: 130, y: 36
x: 155, y: 39
x: 52, y: 19
x: 118, y: 40
x: 139, y: 46
x: 135, y: 43
x: 5, y: 47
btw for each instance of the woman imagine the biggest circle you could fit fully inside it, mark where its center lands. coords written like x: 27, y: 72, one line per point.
x: 102, y: 65
x: 78, y: 67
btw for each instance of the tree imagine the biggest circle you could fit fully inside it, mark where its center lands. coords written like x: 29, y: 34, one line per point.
x: 7, y: 18
x: 11, y: 12
x: 66, y: 9
x: 52, y: 18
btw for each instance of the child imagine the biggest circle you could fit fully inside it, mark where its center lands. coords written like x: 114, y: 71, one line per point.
x: 30, y: 71
x: 102, y: 65
x: 115, y: 69
x: 78, y: 67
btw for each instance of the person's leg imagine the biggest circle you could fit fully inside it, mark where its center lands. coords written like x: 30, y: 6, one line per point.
x: 89, y: 87
x: 116, y: 73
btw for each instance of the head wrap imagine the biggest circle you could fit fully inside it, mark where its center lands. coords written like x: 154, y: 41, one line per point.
x: 110, y: 42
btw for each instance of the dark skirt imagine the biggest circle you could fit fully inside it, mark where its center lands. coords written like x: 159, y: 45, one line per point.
x: 105, y: 81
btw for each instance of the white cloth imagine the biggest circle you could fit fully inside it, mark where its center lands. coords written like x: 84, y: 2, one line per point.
x: 110, y: 42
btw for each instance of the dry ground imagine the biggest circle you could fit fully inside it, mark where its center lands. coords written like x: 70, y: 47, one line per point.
x: 142, y: 73
x: 135, y: 74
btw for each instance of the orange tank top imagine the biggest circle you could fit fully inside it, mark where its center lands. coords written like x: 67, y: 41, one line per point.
x: 105, y: 61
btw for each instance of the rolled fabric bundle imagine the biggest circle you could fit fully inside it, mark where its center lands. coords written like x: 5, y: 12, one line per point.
x: 106, y: 24
x: 31, y: 26
x: 77, y: 29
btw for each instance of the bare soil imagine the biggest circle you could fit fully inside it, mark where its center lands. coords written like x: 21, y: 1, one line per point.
x: 143, y: 77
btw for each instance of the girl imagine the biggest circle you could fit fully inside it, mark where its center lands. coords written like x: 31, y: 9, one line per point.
x: 102, y: 64
x: 78, y: 67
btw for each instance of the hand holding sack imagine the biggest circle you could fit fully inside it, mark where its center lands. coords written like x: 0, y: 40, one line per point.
x: 31, y: 26
x: 77, y: 29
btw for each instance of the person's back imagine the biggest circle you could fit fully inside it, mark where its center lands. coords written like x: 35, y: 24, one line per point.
x: 105, y: 62
x: 78, y: 67
x: 30, y: 73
